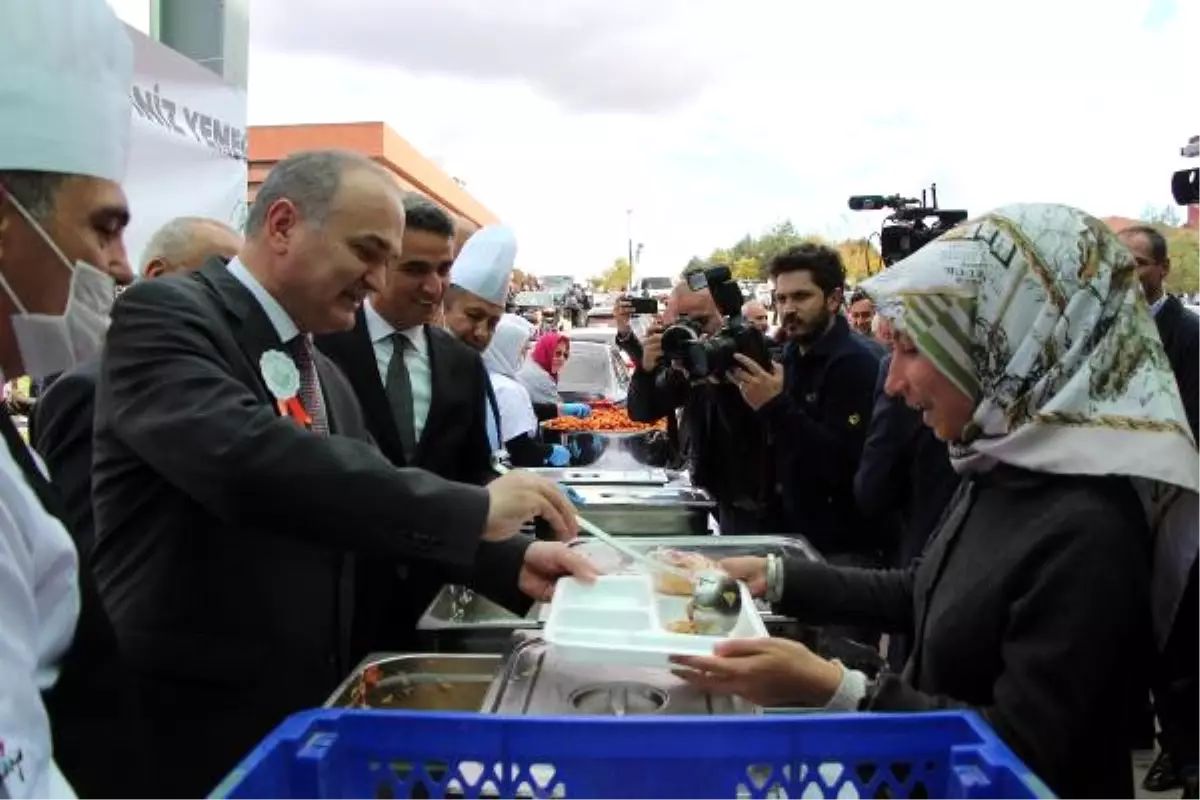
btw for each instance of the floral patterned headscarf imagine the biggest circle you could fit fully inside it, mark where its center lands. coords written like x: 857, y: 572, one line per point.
x: 1035, y: 312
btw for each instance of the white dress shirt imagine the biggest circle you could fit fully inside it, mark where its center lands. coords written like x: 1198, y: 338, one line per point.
x: 416, y: 361
x: 283, y: 323
x: 39, y: 607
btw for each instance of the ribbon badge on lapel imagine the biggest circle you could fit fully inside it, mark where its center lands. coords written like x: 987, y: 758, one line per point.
x: 283, y: 382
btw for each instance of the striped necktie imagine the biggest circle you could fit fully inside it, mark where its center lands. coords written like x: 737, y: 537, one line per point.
x: 310, y: 387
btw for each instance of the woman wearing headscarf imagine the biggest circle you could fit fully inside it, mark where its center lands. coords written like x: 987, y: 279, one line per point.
x: 540, y: 374
x: 518, y: 422
x: 1024, y: 340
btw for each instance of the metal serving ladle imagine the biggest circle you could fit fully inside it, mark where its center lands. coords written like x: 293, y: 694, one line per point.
x: 716, y: 596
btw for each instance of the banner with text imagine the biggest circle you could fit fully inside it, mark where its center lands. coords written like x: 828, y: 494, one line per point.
x: 188, y: 148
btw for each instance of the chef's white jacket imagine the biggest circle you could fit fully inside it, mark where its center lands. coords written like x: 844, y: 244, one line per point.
x: 39, y: 606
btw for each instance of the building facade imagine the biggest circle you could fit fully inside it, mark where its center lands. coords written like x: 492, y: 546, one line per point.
x: 269, y: 144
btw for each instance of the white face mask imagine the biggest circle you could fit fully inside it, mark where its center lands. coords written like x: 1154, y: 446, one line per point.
x: 52, y: 343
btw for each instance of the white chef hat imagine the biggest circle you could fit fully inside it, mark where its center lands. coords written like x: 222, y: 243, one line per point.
x: 66, y: 67
x: 485, y: 263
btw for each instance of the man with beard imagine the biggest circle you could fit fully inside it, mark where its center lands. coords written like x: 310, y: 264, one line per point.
x: 817, y: 404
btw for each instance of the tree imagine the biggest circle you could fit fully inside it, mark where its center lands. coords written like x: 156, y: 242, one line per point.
x: 1183, y: 248
x: 618, y: 276
x: 749, y: 257
x: 748, y: 268
x: 860, y: 258
x: 1167, y: 215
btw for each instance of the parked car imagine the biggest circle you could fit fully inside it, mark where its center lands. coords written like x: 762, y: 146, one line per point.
x: 539, y: 308
x: 605, y: 335
x: 596, y: 370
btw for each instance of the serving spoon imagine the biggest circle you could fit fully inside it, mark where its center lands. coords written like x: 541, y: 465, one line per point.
x: 716, y: 596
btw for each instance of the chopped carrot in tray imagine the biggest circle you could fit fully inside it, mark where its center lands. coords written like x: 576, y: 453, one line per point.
x: 604, y: 419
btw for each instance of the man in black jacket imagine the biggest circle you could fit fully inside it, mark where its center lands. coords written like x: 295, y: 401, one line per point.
x: 424, y: 398
x: 1176, y: 693
x: 816, y: 406
x: 235, y: 482
x: 725, y: 440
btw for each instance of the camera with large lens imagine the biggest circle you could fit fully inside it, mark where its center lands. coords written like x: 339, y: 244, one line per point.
x: 912, y: 224
x: 685, y: 345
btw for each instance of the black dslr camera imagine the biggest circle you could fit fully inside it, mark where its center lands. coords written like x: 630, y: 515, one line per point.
x: 911, y: 225
x: 682, y: 343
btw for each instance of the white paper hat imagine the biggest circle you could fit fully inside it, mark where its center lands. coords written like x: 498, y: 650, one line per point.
x: 485, y: 263
x: 66, y: 67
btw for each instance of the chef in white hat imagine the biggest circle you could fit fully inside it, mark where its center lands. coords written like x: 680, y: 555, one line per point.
x: 479, y: 282
x: 65, y: 72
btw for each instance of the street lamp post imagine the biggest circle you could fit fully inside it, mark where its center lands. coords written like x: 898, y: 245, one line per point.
x: 629, y: 241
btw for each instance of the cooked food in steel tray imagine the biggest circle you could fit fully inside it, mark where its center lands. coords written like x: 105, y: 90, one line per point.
x: 604, y: 419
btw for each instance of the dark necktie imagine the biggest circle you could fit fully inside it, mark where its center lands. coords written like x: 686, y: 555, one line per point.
x: 310, y: 387
x: 399, y: 392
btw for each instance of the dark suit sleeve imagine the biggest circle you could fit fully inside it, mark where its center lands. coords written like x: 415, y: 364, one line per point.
x: 478, y: 456
x: 632, y: 346
x: 62, y: 435
x: 823, y: 594
x: 882, y: 476
x: 831, y: 447
x: 1186, y: 373
x: 172, y: 399
x: 545, y: 411
x: 655, y: 394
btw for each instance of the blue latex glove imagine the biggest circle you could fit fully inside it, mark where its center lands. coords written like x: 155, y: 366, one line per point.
x: 559, y: 456
x: 580, y: 410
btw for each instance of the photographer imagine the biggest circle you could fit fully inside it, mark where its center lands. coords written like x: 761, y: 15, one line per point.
x: 725, y: 439
x: 817, y: 405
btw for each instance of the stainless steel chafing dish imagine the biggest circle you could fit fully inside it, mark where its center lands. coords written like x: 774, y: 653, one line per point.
x: 647, y: 510
x: 609, y: 450
x: 536, y: 681
x: 461, y: 621
x: 419, y: 682
x: 585, y: 476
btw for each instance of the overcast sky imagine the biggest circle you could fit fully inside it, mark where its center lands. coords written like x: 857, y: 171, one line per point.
x: 711, y: 119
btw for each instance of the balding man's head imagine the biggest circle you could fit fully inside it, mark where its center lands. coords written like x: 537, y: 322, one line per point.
x: 756, y: 314
x: 185, y: 243
x: 698, y: 306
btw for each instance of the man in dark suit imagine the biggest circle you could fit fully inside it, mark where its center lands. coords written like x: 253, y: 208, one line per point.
x: 423, y: 394
x: 1177, y: 686
x: 61, y: 427
x: 235, y: 480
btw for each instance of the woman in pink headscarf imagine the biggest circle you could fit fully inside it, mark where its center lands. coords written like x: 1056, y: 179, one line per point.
x: 540, y: 372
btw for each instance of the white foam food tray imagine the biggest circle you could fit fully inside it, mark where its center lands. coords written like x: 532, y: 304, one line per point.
x: 620, y: 619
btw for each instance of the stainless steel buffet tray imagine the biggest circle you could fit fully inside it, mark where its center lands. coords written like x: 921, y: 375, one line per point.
x: 461, y: 621
x: 584, y: 476
x: 419, y: 682
x: 647, y: 510
x: 536, y: 681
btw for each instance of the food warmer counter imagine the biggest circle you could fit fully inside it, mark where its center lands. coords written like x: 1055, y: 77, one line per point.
x: 528, y: 679
x: 461, y: 621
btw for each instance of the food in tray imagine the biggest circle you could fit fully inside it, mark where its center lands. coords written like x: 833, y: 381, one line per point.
x: 669, y: 582
x: 604, y: 419
x: 691, y: 625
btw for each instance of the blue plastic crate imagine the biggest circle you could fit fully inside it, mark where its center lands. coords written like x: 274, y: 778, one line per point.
x: 377, y: 754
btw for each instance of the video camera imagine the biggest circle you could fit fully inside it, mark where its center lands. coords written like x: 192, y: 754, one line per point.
x: 1184, y: 185
x: 907, y: 229
x: 683, y: 342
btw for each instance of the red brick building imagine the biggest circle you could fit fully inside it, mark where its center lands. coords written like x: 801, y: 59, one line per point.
x: 270, y: 144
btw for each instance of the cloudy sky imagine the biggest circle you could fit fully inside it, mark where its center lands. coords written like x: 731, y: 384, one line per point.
x: 711, y: 119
